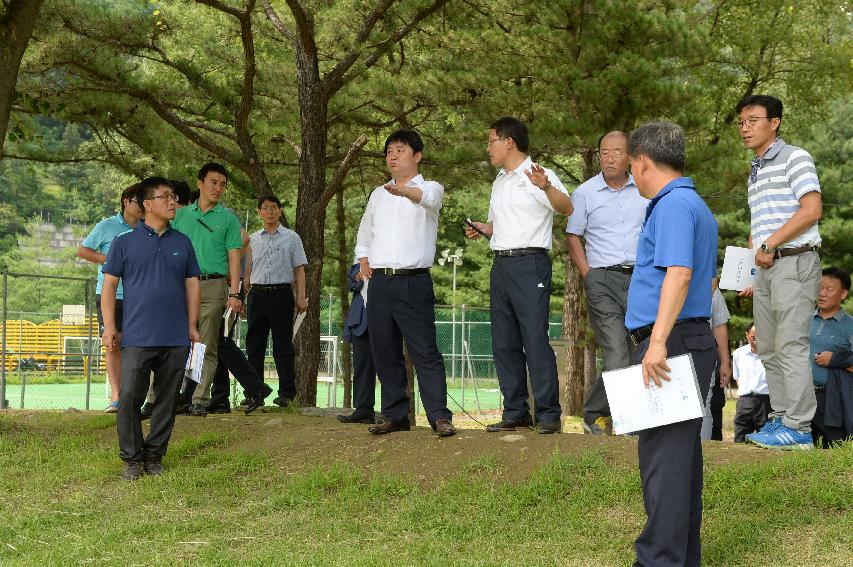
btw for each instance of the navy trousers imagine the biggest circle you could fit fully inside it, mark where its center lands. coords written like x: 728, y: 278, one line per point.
x: 520, y: 290
x: 364, y: 376
x: 671, y: 464
x: 403, y: 307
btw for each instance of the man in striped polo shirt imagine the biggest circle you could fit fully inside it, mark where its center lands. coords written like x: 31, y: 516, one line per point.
x: 785, y: 206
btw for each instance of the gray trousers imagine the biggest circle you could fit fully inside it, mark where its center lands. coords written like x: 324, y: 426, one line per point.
x: 783, y: 303
x: 168, y: 364
x: 214, y: 297
x: 607, y: 302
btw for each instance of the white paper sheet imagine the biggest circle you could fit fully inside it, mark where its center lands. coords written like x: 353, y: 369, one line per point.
x: 364, y: 291
x: 298, y: 322
x: 634, y: 408
x: 195, y: 361
x: 738, y: 269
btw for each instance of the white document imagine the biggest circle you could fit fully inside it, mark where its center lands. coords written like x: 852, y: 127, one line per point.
x: 633, y: 407
x: 195, y: 361
x: 227, y: 326
x: 363, y: 292
x: 738, y: 269
x: 298, y: 322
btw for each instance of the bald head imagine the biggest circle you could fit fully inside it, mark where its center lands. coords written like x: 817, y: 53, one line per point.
x: 613, y: 155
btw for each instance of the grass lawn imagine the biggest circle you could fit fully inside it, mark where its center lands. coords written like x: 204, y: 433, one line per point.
x: 278, y: 488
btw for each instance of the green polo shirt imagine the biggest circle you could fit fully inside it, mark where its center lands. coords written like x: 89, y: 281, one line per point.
x: 213, y: 234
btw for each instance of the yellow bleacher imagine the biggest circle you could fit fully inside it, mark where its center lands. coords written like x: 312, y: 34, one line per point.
x: 45, y: 343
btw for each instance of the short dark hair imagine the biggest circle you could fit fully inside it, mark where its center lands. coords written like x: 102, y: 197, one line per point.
x: 212, y: 166
x: 182, y: 191
x: 408, y: 137
x: 662, y: 142
x: 614, y: 133
x: 146, y: 188
x: 271, y: 198
x: 751, y: 325
x: 839, y: 274
x: 771, y: 104
x: 129, y: 192
x: 509, y: 127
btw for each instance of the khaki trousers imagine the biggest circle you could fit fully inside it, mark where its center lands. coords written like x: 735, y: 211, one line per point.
x: 214, y: 296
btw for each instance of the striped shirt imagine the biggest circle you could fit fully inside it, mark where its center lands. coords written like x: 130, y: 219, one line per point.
x: 784, y: 174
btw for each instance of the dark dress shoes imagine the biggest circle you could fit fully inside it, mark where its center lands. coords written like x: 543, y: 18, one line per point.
x: 444, y: 428
x: 509, y: 425
x: 154, y: 468
x: 548, y: 427
x: 357, y: 418
x: 132, y: 470
x: 388, y: 427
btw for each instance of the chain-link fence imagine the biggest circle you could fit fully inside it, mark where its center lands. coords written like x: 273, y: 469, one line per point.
x: 52, y: 356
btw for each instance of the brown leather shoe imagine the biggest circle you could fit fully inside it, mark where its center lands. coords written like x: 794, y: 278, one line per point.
x: 444, y: 428
x: 388, y: 427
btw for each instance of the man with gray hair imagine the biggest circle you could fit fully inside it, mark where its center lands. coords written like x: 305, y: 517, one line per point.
x: 669, y: 304
x: 608, y: 213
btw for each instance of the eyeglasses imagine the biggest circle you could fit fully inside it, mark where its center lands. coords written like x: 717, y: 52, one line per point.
x: 495, y: 140
x: 615, y: 153
x: 752, y: 121
x: 271, y: 209
x: 164, y: 196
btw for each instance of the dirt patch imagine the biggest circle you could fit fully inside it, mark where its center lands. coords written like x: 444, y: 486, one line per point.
x: 296, y: 442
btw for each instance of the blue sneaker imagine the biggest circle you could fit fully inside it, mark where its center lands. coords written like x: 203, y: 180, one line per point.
x: 769, y: 427
x: 783, y: 438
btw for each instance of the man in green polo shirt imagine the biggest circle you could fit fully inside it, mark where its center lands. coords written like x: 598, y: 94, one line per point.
x: 215, y: 234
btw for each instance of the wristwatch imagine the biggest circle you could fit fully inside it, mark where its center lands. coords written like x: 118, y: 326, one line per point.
x: 766, y: 249
x: 545, y: 189
x: 236, y: 296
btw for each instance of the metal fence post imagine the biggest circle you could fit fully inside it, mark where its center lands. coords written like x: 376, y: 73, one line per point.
x: 88, y: 318
x: 3, y: 355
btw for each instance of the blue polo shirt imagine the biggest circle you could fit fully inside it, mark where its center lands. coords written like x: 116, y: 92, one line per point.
x: 679, y: 231
x: 828, y: 335
x: 101, y: 238
x: 153, y: 269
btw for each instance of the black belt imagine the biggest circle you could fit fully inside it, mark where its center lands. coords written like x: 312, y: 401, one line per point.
x: 622, y: 269
x: 401, y: 271
x: 521, y: 251
x: 639, y: 335
x: 211, y: 277
x: 754, y: 395
x: 783, y: 252
x: 269, y: 287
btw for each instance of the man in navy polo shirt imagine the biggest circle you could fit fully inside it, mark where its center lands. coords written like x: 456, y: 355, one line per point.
x: 159, y: 271
x: 669, y: 304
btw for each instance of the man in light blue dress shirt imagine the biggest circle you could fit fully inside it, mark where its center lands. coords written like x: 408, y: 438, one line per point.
x: 275, y: 264
x: 608, y: 214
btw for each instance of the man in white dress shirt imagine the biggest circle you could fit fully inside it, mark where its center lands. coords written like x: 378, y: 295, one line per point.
x: 521, y: 215
x: 753, y: 397
x: 395, y: 249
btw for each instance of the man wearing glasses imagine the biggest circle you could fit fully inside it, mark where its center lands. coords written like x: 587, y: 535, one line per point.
x: 785, y: 206
x: 215, y: 234
x: 159, y: 272
x: 608, y: 213
x: 521, y: 215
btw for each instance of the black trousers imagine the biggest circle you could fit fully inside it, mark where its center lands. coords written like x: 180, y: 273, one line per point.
x: 272, y: 312
x: 137, y: 364
x: 718, y: 402
x: 520, y: 290
x: 231, y: 359
x: 671, y: 464
x: 403, y: 307
x: 751, y: 414
x: 364, y: 376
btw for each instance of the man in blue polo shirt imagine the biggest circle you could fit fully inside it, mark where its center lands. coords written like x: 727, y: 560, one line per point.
x: 159, y: 271
x: 94, y: 249
x: 831, y: 330
x: 669, y: 305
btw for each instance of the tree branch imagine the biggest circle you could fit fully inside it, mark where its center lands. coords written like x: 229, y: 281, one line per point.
x: 343, y: 168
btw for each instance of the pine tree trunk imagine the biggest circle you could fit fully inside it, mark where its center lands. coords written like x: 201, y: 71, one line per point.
x: 16, y: 28
x: 574, y: 331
